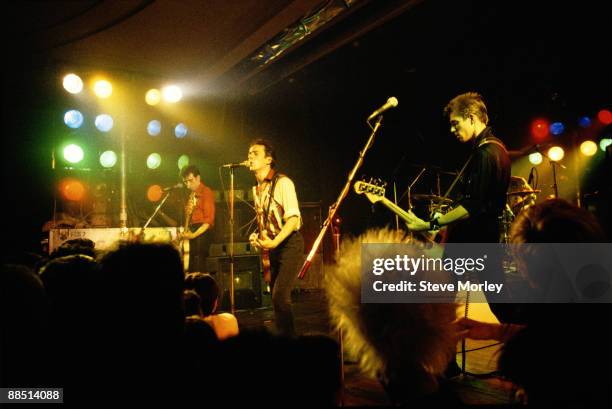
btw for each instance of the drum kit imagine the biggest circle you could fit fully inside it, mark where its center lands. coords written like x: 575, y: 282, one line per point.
x: 520, y: 196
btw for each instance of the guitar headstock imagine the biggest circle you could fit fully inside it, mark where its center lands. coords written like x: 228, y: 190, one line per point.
x: 374, y: 189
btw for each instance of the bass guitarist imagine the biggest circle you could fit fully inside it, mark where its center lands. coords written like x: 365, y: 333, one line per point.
x: 201, y: 208
x: 279, y: 221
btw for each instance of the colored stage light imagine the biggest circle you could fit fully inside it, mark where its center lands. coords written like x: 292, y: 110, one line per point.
x: 535, y: 158
x: 104, y: 122
x: 180, y: 130
x: 588, y: 148
x: 72, y: 189
x: 605, y: 117
x: 183, y: 161
x: 154, y: 127
x: 73, y: 83
x: 556, y: 153
x: 108, y: 159
x: 584, y: 122
x: 172, y: 94
x: 539, y: 128
x: 153, y: 96
x: 557, y: 128
x: 103, y: 89
x: 154, y: 193
x: 604, y: 143
x: 153, y: 161
x: 73, y: 119
x: 73, y: 153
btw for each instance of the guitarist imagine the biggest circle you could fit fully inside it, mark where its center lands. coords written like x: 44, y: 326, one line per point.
x: 202, y: 211
x: 485, y: 181
x: 279, y: 218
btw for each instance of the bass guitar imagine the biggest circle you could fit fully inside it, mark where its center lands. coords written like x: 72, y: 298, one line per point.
x: 375, y: 192
x: 184, y: 243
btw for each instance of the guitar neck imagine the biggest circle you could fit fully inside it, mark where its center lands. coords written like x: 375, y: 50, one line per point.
x: 395, y: 208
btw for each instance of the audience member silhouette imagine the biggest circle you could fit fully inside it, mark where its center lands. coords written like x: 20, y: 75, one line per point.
x: 557, y: 355
x: 225, y: 325
x: 23, y: 327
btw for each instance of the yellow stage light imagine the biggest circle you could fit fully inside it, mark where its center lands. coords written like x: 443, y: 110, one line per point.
x: 556, y: 153
x: 103, y: 89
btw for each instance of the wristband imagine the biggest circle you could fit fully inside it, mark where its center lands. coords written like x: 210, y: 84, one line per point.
x: 434, y: 224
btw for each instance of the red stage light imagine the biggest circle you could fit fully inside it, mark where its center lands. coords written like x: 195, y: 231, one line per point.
x: 605, y: 117
x: 72, y: 189
x: 540, y: 128
x: 154, y: 193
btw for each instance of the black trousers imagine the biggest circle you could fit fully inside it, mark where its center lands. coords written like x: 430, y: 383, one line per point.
x: 198, y: 250
x: 285, y: 262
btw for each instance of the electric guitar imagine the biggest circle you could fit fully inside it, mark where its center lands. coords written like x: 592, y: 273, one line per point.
x: 375, y: 192
x: 184, y: 243
x: 265, y: 253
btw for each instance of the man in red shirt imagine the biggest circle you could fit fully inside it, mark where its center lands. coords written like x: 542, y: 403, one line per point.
x: 200, y: 215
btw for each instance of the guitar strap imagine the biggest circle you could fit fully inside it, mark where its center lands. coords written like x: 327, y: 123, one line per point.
x: 266, y: 215
x: 482, y: 143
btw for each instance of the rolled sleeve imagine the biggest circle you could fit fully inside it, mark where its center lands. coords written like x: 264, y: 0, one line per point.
x: 285, y: 194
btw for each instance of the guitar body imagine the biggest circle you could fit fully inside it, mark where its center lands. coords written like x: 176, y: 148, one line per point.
x: 184, y: 243
x: 265, y: 258
x: 265, y: 266
x: 184, y: 250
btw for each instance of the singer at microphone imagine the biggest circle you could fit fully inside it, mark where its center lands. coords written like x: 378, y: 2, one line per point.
x: 391, y: 103
x: 236, y: 165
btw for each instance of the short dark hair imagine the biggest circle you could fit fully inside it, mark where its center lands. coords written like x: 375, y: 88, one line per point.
x: 189, y: 169
x: 192, y: 303
x: 206, y: 287
x: 470, y: 103
x: 556, y: 221
x: 268, y: 149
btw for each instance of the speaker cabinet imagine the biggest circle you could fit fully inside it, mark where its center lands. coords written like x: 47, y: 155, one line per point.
x: 247, y: 280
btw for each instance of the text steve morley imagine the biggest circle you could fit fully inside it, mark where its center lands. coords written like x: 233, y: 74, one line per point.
x: 427, y: 286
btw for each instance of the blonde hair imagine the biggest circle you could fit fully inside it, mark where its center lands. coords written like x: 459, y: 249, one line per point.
x: 416, y: 337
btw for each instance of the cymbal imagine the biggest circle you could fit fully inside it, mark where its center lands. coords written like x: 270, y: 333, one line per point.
x: 523, y: 192
x: 432, y: 198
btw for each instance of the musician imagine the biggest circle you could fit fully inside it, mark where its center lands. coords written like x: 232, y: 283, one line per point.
x: 279, y: 220
x: 201, y: 218
x: 485, y: 180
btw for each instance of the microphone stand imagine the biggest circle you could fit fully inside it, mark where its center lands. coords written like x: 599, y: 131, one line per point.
x: 554, y: 169
x: 231, y: 251
x: 159, y: 206
x: 334, y: 207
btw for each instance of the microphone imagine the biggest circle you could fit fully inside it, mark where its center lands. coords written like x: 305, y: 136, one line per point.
x: 236, y: 165
x: 177, y: 186
x: 391, y: 103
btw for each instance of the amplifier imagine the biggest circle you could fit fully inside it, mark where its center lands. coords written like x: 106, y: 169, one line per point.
x: 222, y: 249
x: 106, y: 238
x: 247, y: 280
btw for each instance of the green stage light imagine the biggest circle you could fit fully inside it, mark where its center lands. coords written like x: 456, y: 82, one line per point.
x: 73, y: 153
x: 183, y: 161
x: 108, y: 159
x: 153, y: 161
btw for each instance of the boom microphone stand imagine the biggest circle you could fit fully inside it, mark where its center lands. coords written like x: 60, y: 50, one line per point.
x: 334, y: 207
